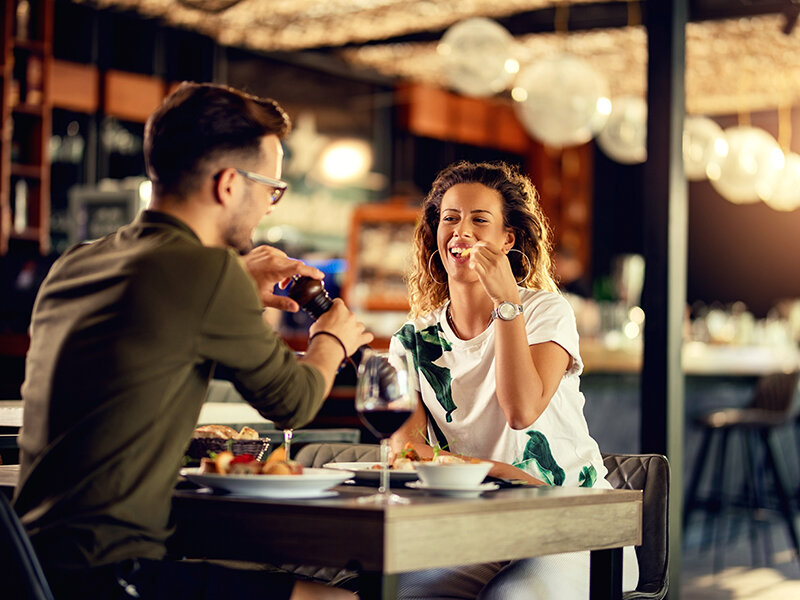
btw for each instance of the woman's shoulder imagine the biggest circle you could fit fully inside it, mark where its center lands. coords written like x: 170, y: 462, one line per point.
x: 543, y: 299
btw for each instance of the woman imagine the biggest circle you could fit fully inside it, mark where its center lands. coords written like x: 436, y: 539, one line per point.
x: 496, y: 349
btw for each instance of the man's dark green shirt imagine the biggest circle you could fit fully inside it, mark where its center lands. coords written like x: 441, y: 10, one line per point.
x: 125, y: 335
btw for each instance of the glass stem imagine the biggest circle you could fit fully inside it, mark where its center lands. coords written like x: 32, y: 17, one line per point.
x: 287, y: 442
x: 384, y: 484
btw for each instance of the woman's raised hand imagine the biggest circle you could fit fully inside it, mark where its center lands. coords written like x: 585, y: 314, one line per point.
x: 491, y: 265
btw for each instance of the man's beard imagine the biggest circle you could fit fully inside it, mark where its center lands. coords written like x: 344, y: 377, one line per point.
x: 235, y: 238
x: 234, y: 232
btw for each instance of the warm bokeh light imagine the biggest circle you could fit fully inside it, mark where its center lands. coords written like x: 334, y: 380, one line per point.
x: 346, y: 160
x: 145, y: 193
x: 604, y: 105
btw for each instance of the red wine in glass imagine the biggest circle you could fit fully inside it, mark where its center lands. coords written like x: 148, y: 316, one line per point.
x: 383, y: 422
x: 385, y: 399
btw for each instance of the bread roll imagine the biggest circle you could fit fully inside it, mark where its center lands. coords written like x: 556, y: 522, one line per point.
x: 216, y: 431
x: 247, y: 433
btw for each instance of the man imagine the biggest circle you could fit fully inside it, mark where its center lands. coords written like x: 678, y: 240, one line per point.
x: 125, y: 335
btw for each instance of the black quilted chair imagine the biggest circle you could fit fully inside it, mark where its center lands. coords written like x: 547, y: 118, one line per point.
x: 21, y: 575
x: 649, y: 473
x: 774, y: 406
x: 316, y: 455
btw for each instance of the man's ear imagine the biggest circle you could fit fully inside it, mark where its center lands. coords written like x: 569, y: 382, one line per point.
x: 223, y: 186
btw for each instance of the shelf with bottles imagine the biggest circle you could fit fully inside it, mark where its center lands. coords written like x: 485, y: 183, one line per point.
x: 27, y: 85
x: 24, y: 165
x: 28, y: 220
x: 32, y: 23
x: 27, y: 142
x: 380, y: 246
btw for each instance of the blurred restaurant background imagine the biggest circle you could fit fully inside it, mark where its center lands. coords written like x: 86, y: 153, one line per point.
x: 383, y: 94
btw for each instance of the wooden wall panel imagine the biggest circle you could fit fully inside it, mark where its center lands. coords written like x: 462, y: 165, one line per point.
x: 426, y: 111
x: 432, y: 112
x: 75, y: 86
x: 472, y: 118
x: 132, y: 97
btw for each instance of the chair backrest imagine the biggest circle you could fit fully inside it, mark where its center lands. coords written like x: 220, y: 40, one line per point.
x: 21, y: 575
x: 316, y: 455
x: 776, y: 392
x: 649, y: 473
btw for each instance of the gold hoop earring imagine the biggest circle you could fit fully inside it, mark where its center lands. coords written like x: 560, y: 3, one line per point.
x: 430, y: 273
x: 530, y: 266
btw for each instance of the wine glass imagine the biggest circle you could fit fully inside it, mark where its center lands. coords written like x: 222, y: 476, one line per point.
x: 385, y: 399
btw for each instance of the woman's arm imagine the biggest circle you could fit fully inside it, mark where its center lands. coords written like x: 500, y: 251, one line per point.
x: 413, y: 430
x: 526, y: 376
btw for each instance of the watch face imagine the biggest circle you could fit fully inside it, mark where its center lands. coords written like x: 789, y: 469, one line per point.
x: 507, y: 311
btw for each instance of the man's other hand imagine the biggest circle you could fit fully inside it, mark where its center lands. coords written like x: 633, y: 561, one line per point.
x: 270, y: 266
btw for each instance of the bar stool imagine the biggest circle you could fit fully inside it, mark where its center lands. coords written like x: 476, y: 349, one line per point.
x: 773, y: 406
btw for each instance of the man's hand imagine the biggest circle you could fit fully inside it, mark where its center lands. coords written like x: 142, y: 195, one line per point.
x: 342, y: 322
x: 270, y: 266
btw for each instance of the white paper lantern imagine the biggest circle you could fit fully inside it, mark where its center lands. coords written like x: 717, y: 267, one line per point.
x: 561, y: 100
x: 747, y: 162
x: 478, y: 56
x: 700, y: 135
x: 624, y: 137
x: 783, y: 192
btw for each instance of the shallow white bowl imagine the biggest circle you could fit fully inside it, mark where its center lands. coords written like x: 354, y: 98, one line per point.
x: 452, y: 474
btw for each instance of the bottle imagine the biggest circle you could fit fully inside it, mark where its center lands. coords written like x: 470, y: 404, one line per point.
x: 23, y: 19
x: 20, y: 206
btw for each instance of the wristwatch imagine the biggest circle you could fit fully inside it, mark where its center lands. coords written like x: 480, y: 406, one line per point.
x: 507, y: 311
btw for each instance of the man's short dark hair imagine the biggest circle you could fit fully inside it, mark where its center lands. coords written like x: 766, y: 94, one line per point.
x: 197, y: 124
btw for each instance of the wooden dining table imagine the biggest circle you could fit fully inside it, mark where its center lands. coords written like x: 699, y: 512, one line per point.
x: 431, y: 531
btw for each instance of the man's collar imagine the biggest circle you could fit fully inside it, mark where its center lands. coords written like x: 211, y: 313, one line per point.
x: 161, y: 218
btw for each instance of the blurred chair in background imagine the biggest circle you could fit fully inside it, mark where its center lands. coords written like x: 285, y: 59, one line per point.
x: 774, y: 406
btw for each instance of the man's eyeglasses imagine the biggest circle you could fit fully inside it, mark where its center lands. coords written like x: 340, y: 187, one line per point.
x: 278, y: 186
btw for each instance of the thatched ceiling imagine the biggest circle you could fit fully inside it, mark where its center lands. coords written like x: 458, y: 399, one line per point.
x: 734, y: 65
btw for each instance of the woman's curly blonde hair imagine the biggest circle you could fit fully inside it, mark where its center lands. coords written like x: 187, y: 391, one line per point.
x: 428, y: 287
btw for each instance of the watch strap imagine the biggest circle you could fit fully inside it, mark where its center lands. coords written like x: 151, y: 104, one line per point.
x: 497, y: 312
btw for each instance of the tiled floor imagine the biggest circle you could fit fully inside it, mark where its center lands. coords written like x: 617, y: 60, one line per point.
x: 739, y: 579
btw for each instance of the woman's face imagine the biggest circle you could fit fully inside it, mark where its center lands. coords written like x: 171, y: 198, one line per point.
x: 470, y: 213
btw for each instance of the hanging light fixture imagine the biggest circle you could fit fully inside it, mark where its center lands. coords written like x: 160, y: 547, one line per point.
x: 624, y: 137
x: 700, y: 136
x: 783, y: 191
x: 478, y: 57
x: 561, y: 100
x: 745, y: 163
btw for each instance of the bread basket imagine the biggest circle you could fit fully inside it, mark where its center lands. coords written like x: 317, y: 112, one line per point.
x: 205, y: 447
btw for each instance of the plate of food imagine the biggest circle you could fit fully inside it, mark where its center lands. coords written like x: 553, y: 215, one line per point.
x: 244, y: 476
x: 372, y: 470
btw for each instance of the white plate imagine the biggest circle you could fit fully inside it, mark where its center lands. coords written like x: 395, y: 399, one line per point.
x: 458, y: 492
x: 364, y: 470
x: 313, y: 483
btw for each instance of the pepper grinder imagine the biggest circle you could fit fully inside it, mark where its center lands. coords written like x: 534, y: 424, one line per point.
x: 314, y: 300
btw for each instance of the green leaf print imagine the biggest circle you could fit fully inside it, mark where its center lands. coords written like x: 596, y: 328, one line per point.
x: 538, y: 450
x: 587, y: 477
x: 426, y: 346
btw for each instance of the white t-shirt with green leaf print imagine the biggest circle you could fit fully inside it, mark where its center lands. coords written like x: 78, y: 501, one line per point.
x: 457, y: 381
